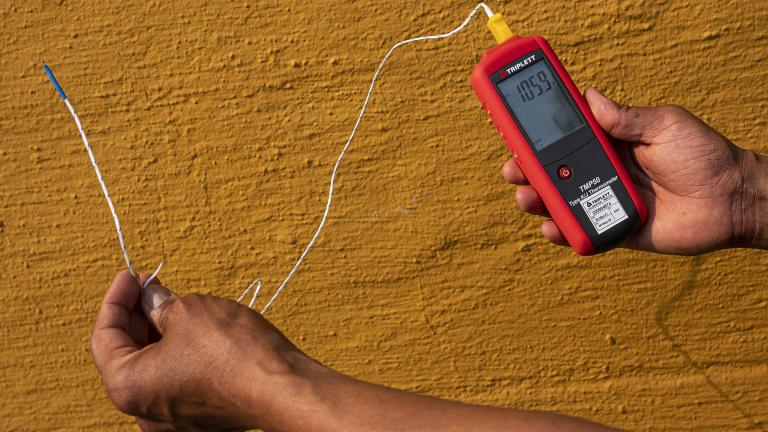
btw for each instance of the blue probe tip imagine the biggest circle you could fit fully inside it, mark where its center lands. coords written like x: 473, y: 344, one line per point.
x: 54, y: 82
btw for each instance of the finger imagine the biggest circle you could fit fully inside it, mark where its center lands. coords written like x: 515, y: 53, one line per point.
x: 529, y: 201
x: 552, y: 233
x: 155, y: 301
x: 638, y: 174
x: 512, y: 173
x: 137, y: 327
x: 151, y: 334
x: 110, y: 338
x: 625, y: 122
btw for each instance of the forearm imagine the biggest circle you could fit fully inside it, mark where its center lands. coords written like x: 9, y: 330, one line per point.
x: 324, y: 400
x: 750, y: 207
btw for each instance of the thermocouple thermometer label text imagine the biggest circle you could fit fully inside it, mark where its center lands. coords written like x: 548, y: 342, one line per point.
x: 604, y: 209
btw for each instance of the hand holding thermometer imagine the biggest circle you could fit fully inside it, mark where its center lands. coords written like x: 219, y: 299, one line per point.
x: 556, y: 141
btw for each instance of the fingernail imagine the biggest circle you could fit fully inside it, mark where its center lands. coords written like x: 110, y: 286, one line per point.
x: 154, y: 295
x: 596, y: 92
x: 603, y: 99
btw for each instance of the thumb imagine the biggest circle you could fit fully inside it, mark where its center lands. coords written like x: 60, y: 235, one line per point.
x: 625, y: 122
x: 155, y: 300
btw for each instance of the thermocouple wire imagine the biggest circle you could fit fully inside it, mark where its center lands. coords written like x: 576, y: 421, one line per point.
x: 352, y: 137
x: 258, y: 283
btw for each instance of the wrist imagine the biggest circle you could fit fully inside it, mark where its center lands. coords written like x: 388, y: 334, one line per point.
x: 289, y: 397
x: 750, y: 206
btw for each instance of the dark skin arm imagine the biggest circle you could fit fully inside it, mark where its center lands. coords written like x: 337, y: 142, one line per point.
x: 219, y: 366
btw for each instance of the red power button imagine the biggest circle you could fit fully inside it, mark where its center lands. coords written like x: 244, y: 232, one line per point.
x: 564, y: 172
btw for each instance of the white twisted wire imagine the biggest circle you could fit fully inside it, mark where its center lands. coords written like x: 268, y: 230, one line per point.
x: 346, y: 147
x: 112, y: 209
x: 258, y: 283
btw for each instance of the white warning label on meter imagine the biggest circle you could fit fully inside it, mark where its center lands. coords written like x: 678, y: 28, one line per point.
x: 603, y: 209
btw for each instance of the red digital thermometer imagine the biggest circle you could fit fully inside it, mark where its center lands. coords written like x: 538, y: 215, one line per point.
x: 557, y: 142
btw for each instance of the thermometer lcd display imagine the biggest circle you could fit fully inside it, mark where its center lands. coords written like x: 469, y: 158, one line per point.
x: 540, y: 104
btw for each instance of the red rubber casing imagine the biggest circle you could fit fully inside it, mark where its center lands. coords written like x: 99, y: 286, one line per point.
x: 492, y: 61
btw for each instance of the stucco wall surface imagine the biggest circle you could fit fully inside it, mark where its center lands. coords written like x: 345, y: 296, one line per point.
x: 217, y: 124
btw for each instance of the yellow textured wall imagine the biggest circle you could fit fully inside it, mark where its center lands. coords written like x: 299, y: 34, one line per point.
x: 217, y: 126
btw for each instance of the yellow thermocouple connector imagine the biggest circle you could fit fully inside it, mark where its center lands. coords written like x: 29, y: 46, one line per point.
x: 499, y: 28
